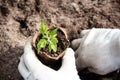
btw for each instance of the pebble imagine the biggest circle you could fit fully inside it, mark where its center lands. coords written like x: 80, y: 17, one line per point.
x: 56, y: 55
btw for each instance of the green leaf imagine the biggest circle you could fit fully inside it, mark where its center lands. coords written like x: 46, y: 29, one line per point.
x: 49, y: 48
x: 41, y: 44
x: 43, y: 28
x: 54, y: 40
x: 54, y: 47
x: 53, y: 33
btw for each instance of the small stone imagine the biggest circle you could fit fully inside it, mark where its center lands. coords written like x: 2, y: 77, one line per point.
x: 52, y: 55
x: 56, y: 55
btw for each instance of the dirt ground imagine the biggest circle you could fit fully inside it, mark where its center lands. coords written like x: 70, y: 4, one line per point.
x: 20, y: 19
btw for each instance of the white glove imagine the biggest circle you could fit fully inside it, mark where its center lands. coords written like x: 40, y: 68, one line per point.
x: 98, y: 50
x: 32, y: 69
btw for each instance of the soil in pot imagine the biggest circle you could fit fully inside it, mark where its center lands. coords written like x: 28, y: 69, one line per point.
x: 54, y: 61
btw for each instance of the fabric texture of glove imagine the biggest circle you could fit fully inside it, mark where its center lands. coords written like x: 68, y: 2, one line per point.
x: 32, y: 69
x: 98, y: 50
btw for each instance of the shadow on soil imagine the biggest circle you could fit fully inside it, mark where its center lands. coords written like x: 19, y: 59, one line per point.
x: 86, y: 75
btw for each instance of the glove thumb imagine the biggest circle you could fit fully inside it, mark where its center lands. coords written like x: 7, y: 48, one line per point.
x: 75, y: 44
x: 68, y: 62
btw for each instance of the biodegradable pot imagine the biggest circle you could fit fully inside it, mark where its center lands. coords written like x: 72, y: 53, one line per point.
x: 52, y: 59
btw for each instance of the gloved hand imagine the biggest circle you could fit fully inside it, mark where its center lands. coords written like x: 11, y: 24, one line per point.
x: 98, y: 50
x: 32, y: 69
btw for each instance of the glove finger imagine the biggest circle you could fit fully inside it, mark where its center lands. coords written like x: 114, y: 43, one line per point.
x: 22, y: 69
x: 76, y: 43
x: 84, y: 32
x: 68, y: 60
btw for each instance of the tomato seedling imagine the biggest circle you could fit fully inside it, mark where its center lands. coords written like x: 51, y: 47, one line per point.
x: 48, y: 39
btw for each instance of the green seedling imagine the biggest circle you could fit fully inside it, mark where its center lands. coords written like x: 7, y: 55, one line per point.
x: 48, y: 39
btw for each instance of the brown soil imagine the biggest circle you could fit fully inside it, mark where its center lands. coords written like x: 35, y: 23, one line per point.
x: 20, y: 19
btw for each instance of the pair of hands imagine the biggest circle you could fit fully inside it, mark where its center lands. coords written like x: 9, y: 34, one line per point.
x: 97, y: 49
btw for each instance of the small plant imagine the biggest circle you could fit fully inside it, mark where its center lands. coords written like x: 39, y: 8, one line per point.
x: 48, y: 39
x: 50, y: 45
